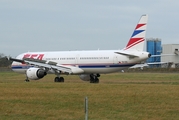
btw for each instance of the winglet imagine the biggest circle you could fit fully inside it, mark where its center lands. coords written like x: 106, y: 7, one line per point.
x: 137, y: 39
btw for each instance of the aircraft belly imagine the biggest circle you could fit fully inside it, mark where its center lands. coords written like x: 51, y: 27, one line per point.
x: 104, y: 68
x: 101, y: 70
x: 23, y: 71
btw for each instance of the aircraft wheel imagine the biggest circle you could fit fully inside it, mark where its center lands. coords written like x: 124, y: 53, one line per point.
x: 91, y: 81
x: 27, y: 80
x: 97, y: 80
x: 98, y: 75
x: 57, y: 79
x: 61, y: 79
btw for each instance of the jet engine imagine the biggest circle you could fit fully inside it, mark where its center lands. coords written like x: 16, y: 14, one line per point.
x: 35, y: 73
x: 85, y: 77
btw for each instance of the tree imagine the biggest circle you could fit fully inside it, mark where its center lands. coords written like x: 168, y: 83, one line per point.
x: 4, y: 62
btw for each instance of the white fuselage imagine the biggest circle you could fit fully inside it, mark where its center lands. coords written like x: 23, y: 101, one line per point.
x: 100, y: 61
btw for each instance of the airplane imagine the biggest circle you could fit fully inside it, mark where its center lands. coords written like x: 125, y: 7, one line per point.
x: 87, y: 64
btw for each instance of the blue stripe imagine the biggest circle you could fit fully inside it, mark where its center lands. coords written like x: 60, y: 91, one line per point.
x: 90, y: 66
x: 21, y: 67
x: 123, y: 65
x: 137, y: 32
x: 106, y: 66
x: 84, y: 66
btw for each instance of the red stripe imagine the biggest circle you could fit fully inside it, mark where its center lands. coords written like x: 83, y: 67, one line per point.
x: 142, y: 40
x: 139, y: 25
x: 133, y: 40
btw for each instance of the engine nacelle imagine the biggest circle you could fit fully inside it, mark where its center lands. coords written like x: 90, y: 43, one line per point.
x: 85, y: 77
x: 35, y: 73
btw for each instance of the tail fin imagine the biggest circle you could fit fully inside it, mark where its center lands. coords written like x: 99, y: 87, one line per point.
x: 137, y: 39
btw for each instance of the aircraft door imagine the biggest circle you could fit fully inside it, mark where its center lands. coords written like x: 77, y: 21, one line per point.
x: 77, y: 60
x: 115, y: 59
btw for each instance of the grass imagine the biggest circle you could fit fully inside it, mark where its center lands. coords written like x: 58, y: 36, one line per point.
x: 123, y: 96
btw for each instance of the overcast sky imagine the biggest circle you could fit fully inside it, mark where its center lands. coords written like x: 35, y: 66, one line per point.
x: 57, y: 25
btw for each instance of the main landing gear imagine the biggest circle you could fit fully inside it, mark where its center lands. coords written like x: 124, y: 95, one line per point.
x: 59, y: 79
x: 27, y: 80
x: 94, y: 78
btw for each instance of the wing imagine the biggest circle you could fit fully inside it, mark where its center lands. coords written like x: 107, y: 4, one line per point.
x: 49, y: 65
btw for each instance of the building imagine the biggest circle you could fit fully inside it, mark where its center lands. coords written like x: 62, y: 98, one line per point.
x: 153, y: 46
x: 170, y: 55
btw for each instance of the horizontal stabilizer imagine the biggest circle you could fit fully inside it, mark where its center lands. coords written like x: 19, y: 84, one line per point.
x: 127, y: 54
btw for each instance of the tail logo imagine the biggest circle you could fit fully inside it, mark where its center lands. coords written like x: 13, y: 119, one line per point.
x: 138, y: 35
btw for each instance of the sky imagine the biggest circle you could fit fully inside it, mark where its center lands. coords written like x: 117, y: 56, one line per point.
x: 63, y: 25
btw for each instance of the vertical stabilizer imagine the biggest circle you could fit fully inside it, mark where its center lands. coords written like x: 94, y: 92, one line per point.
x: 137, y: 39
